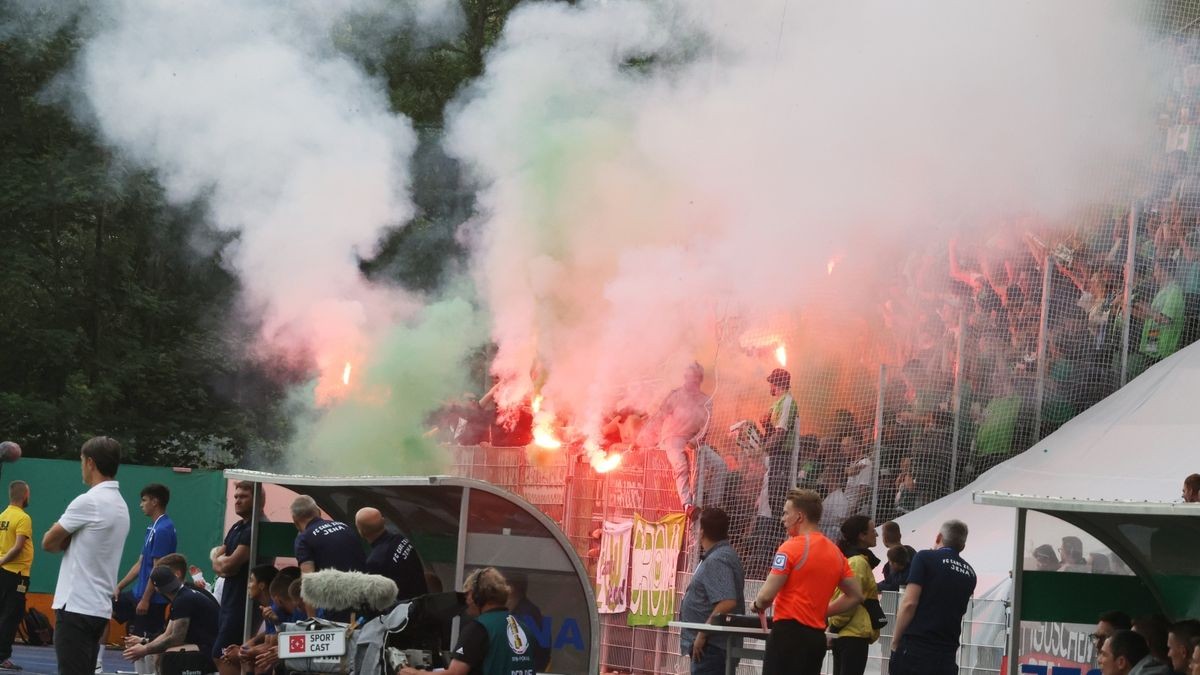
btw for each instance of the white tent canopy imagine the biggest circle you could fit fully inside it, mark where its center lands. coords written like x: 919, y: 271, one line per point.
x: 1137, y: 444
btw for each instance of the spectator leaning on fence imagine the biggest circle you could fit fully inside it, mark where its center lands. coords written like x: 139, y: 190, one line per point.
x: 717, y: 587
x: 929, y: 620
x: 804, y: 573
x: 683, y: 417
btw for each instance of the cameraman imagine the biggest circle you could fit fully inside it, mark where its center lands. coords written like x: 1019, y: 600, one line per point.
x: 494, y: 643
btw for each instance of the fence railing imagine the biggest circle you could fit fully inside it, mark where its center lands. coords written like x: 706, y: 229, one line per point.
x: 579, y: 500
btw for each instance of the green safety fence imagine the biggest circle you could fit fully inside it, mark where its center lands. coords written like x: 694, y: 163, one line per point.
x: 197, y: 507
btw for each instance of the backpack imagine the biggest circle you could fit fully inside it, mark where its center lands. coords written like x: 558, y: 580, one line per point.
x: 35, y: 628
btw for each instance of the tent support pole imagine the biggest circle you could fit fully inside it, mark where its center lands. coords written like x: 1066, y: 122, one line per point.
x: 248, y: 613
x: 956, y: 400
x: 1130, y: 271
x: 1043, y: 342
x: 1014, y: 621
x: 460, y: 558
x: 878, y: 443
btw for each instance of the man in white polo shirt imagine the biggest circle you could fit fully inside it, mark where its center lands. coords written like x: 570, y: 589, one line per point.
x: 92, y: 534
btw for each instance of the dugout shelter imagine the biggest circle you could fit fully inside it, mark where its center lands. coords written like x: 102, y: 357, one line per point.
x: 458, y: 525
x: 1159, y: 542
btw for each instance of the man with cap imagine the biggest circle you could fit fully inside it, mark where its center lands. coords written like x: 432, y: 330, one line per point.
x: 779, y: 424
x: 193, y: 624
x: 779, y: 437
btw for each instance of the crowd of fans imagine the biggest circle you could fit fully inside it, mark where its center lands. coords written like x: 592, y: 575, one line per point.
x: 995, y: 342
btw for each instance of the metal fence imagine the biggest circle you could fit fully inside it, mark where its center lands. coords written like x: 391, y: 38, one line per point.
x: 579, y: 500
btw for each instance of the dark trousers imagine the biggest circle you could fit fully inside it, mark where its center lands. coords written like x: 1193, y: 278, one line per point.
x: 150, y: 625
x: 916, y: 660
x: 850, y: 655
x: 176, y: 663
x: 712, y: 662
x: 794, y: 649
x: 77, y: 641
x: 12, y: 609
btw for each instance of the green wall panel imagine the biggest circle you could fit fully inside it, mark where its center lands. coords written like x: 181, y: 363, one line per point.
x: 1082, y: 598
x: 197, y: 507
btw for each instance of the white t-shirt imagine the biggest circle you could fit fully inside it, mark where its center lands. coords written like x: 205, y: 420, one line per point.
x: 834, y: 510
x: 862, y: 478
x: 98, y: 521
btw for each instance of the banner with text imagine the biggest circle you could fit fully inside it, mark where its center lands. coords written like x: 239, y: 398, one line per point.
x: 1057, y: 648
x: 655, y: 557
x: 612, y: 569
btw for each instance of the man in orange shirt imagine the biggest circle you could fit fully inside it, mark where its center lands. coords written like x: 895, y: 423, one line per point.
x: 805, y: 571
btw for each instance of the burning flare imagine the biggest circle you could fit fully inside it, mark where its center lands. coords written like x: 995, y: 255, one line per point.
x: 346, y: 374
x: 607, y: 463
x: 543, y: 437
x: 833, y: 263
x: 781, y: 356
x: 543, y: 426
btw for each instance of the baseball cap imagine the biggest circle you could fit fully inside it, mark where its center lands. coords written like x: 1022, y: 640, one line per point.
x: 780, y: 378
x: 165, y: 580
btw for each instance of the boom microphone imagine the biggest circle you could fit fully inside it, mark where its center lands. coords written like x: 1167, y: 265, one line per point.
x: 336, y: 590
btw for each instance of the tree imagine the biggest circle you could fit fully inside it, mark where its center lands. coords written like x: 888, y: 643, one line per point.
x: 112, y: 321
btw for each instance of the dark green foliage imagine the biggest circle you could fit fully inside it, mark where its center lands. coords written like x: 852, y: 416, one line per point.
x: 117, y: 312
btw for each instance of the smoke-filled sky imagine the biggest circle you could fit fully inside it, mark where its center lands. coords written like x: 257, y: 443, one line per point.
x: 648, y: 171
x: 650, y: 167
x: 249, y: 107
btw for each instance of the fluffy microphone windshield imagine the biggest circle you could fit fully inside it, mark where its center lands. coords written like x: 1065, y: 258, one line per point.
x: 332, y: 589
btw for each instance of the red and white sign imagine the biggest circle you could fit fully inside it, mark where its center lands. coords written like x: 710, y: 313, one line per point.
x: 312, y: 643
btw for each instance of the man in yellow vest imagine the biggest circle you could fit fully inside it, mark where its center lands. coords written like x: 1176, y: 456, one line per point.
x: 16, y: 559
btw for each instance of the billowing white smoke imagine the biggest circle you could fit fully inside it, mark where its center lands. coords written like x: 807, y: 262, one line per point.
x: 649, y: 167
x: 250, y: 106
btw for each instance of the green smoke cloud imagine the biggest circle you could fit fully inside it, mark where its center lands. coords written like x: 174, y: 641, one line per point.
x: 379, y: 429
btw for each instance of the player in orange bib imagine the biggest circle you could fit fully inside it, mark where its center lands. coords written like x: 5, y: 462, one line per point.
x: 804, y: 573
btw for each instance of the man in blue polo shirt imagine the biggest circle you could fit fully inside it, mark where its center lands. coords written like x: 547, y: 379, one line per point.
x: 324, y: 544
x: 929, y: 620
x: 717, y: 587
x: 392, y: 554
x: 148, y: 609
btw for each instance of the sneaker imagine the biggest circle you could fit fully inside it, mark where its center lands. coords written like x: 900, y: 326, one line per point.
x: 7, y: 664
